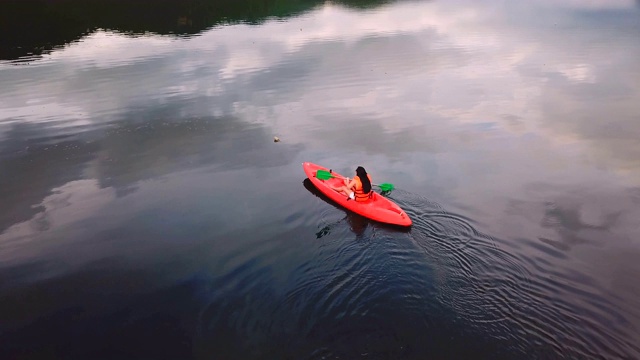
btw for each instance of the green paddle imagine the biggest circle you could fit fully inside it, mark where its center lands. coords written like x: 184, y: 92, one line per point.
x: 326, y: 175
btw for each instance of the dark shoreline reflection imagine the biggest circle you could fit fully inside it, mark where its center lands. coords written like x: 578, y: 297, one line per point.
x: 36, y: 27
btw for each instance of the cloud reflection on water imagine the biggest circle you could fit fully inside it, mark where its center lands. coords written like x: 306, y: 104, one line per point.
x: 524, y: 115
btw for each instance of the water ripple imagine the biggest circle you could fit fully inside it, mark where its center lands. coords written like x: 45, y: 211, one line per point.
x: 519, y: 294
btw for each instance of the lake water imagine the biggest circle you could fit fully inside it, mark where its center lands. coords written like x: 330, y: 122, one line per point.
x: 147, y: 213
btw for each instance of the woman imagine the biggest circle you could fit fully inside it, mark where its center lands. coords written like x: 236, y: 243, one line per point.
x: 359, y: 188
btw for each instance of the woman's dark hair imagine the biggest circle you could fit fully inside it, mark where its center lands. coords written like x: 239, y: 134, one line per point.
x: 364, y: 179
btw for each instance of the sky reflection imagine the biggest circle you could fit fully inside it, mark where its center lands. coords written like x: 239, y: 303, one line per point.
x: 522, y: 116
x: 554, y: 97
x: 495, y: 97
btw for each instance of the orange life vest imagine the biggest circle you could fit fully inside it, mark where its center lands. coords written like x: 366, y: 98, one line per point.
x: 359, y: 193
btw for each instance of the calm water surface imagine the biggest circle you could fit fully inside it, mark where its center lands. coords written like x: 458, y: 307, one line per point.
x: 146, y: 212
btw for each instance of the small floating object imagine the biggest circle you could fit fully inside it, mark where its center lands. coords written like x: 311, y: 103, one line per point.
x: 276, y: 139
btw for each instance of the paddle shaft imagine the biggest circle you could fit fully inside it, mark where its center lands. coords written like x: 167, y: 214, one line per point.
x: 342, y: 177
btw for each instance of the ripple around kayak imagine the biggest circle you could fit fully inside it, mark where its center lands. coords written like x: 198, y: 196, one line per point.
x: 560, y: 309
x: 382, y: 292
x: 352, y: 296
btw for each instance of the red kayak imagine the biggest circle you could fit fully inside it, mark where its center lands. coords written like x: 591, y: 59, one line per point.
x: 378, y: 208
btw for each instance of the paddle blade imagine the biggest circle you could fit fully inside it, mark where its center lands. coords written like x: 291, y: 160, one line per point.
x: 323, y: 175
x: 386, y: 187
